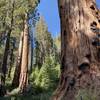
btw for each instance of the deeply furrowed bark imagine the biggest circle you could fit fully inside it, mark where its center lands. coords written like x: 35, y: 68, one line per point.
x: 24, y: 66
x: 80, y: 48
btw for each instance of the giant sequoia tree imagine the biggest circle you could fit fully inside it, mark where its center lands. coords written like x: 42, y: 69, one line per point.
x: 15, y: 81
x: 24, y: 64
x: 23, y: 8
x: 80, y: 48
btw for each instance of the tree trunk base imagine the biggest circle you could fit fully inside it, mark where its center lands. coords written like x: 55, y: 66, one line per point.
x: 2, y: 90
x: 23, y: 82
x: 15, y: 82
x: 69, y: 87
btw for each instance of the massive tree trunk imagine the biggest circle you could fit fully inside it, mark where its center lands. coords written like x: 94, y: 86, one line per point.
x: 15, y: 82
x: 24, y: 66
x: 80, y: 48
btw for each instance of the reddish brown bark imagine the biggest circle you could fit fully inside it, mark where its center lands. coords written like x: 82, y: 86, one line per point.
x: 80, y: 66
x: 24, y: 66
x: 15, y: 82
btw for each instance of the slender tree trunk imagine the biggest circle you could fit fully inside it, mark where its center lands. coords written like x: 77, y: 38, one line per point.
x: 31, y: 58
x: 80, y: 43
x: 4, y: 67
x: 11, y: 62
x: 24, y: 66
x: 15, y: 82
x: 4, y: 63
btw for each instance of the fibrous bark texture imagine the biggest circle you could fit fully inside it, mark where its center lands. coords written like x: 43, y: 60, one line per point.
x: 24, y: 66
x: 15, y: 82
x: 80, y: 48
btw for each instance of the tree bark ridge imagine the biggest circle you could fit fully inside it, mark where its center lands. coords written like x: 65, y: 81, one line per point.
x: 79, y: 60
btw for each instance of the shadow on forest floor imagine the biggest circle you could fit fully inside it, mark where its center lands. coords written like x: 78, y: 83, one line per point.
x: 34, y: 94
x: 27, y: 97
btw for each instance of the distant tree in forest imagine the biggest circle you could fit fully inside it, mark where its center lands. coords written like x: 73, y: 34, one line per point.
x: 43, y: 42
x: 48, y: 74
x: 22, y: 7
x: 28, y: 10
x: 8, y: 25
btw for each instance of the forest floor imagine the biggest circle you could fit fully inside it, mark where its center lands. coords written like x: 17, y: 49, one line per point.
x: 31, y: 95
x: 34, y: 93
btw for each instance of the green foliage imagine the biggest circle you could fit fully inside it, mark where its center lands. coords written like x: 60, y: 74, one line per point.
x: 44, y: 45
x: 34, y: 74
x: 19, y: 8
x: 44, y: 78
x: 48, y: 75
x: 57, y: 42
x: 44, y: 37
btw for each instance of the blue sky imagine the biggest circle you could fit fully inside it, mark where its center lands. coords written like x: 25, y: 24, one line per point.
x: 49, y: 10
x: 98, y: 3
